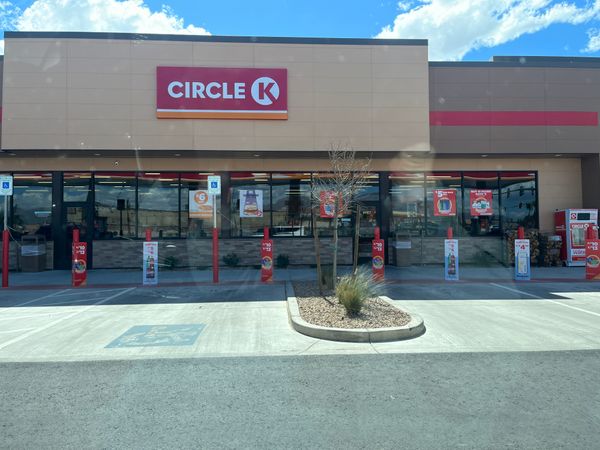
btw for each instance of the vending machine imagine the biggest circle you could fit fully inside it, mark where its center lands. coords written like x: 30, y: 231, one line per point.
x: 571, y: 225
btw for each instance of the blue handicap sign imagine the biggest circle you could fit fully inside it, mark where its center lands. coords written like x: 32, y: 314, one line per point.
x: 5, y: 185
x: 214, y: 184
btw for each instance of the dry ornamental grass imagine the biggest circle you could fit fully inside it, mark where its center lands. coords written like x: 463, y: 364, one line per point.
x: 326, y: 311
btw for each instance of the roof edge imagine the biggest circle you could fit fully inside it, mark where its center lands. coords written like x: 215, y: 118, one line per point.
x: 526, y: 61
x: 203, y: 38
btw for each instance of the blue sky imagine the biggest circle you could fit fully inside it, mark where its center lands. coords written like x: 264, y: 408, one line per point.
x: 456, y: 29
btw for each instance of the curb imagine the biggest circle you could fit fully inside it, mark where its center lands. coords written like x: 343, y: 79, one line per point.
x: 415, y: 328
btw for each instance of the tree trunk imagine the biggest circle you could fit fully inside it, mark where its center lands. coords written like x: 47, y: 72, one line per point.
x: 335, y: 242
x: 317, y: 254
x: 356, y: 240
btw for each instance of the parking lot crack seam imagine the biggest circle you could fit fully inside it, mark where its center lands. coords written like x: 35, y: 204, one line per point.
x: 61, y: 319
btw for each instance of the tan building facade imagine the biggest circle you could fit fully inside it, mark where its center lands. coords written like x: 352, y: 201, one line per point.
x: 82, y: 135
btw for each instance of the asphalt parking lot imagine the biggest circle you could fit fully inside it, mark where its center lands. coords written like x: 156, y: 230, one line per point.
x: 250, y: 318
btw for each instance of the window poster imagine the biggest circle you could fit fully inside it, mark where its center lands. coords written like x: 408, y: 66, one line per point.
x: 481, y: 202
x: 251, y: 203
x: 200, y: 205
x: 444, y: 202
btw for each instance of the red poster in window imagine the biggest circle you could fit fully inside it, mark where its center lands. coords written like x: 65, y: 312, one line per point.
x: 444, y: 202
x: 79, y: 266
x: 327, y: 205
x: 481, y: 202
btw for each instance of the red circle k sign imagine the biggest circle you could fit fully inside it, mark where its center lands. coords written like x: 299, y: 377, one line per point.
x: 226, y: 93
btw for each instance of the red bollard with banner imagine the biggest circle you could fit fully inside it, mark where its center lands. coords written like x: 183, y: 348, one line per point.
x: 592, y: 254
x: 378, y: 256
x: 79, y: 261
x: 266, y: 258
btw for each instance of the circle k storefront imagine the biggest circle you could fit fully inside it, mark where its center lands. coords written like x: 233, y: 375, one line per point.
x: 116, y: 133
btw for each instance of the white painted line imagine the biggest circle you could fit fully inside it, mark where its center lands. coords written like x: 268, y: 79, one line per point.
x: 61, y: 319
x: 516, y: 291
x: 68, y: 302
x: 15, y: 331
x: 547, y: 299
x: 40, y: 298
x: 88, y: 292
x: 42, y: 313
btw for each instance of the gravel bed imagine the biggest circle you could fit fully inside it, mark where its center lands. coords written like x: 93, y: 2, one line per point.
x: 326, y: 311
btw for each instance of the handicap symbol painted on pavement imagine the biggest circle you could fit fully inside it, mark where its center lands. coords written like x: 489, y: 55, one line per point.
x: 158, y: 336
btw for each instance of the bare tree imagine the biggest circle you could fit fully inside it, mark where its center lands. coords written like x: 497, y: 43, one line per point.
x: 348, y: 174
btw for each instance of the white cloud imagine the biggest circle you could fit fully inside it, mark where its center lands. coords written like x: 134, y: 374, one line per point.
x: 593, y: 41
x: 455, y: 27
x: 132, y: 16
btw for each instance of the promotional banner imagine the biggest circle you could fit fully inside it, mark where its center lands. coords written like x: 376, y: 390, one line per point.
x: 200, y: 205
x: 451, y: 259
x: 592, y: 259
x: 266, y: 260
x: 481, y: 202
x: 221, y: 93
x: 79, y: 264
x: 251, y: 203
x: 150, y: 263
x: 444, y: 202
x: 522, y: 260
x: 378, y: 259
x: 327, y: 205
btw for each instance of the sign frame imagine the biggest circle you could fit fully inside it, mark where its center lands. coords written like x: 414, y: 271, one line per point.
x: 451, y: 260
x: 150, y: 263
x: 6, y: 185
x: 522, y: 260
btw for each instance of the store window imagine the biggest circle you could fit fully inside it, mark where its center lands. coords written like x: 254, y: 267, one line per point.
x: 408, y: 203
x: 250, y: 203
x: 481, y: 210
x: 114, y: 205
x: 444, y: 205
x: 197, y: 221
x: 77, y: 186
x: 32, y: 204
x: 158, y: 204
x: 291, y: 204
x: 519, y: 200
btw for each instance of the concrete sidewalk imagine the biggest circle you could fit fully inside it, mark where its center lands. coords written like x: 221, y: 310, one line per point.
x: 416, y: 274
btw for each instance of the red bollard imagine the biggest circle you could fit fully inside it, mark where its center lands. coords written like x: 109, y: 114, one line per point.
x: 148, y: 234
x: 521, y: 233
x: 377, y: 256
x: 75, y: 235
x: 215, y: 255
x: 5, y: 243
x: 449, y: 233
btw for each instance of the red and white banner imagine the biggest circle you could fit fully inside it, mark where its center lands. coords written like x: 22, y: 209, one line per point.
x: 79, y: 264
x: 444, y: 202
x: 221, y: 93
x: 378, y: 258
x: 481, y: 202
x: 592, y: 259
x: 266, y: 260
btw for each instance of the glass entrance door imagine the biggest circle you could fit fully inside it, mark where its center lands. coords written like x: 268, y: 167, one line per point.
x: 367, y: 221
x: 77, y: 215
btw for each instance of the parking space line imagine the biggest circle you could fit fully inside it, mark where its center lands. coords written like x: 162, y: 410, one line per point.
x: 16, y: 331
x: 88, y: 292
x: 61, y: 319
x: 546, y: 299
x: 41, y: 298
